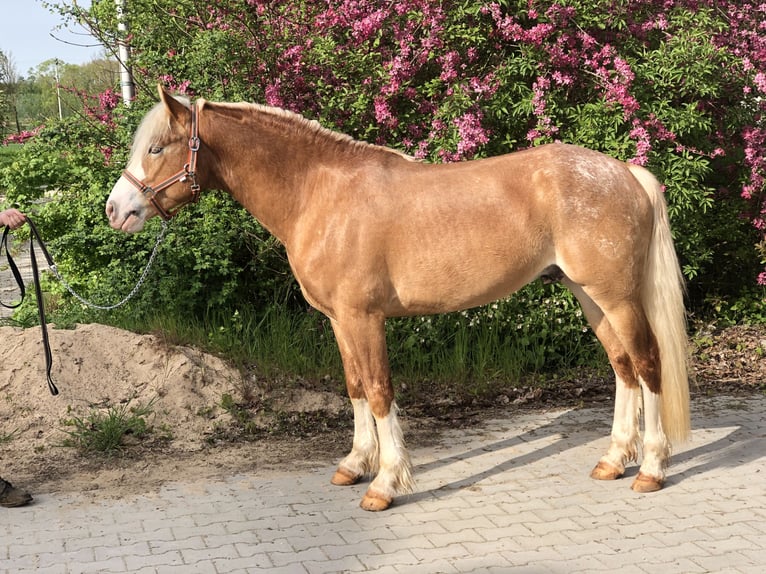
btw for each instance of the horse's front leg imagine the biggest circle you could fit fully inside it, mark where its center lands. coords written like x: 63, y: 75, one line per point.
x: 363, y: 458
x: 362, y: 343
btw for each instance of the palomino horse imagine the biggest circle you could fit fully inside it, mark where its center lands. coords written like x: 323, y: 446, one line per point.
x: 371, y: 234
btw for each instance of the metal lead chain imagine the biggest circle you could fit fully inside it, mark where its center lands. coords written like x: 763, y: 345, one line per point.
x: 130, y: 295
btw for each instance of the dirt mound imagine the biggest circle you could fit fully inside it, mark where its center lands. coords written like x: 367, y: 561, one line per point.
x: 98, y: 368
x: 96, y: 365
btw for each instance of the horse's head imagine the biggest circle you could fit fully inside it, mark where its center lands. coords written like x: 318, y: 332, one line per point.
x: 161, y: 174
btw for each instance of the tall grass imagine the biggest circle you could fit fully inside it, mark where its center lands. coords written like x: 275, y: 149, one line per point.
x: 274, y: 342
x: 506, y: 340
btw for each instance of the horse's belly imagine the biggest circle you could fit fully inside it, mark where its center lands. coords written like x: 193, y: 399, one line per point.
x: 455, y: 287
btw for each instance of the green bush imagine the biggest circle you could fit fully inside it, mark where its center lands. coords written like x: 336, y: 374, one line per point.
x: 8, y: 153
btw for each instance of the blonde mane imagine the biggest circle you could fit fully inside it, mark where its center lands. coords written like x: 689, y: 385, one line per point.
x: 312, y: 127
x: 153, y: 128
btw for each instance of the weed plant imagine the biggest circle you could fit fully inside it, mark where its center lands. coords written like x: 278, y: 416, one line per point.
x: 6, y: 437
x: 105, y: 432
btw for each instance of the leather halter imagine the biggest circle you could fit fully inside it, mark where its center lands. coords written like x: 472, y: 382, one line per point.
x: 188, y: 172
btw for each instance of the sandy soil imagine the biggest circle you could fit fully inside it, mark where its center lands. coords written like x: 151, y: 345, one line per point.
x: 98, y: 369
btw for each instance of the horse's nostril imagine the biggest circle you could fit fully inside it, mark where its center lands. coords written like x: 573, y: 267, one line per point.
x: 109, y: 209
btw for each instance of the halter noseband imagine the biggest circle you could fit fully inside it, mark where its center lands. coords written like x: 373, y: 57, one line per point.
x: 189, y: 171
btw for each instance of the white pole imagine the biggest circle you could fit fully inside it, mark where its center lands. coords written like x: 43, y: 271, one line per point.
x: 126, y: 76
x: 58, y: 86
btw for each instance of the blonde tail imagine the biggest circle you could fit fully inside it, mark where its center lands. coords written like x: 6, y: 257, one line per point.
x: 663, y: 300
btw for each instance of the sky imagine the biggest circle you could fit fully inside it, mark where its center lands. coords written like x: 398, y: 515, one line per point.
x: 26, y: 29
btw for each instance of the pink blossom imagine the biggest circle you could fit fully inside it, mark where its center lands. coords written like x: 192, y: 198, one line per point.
x: 365, y: 28
x: 23, y: 136
x: 640, y: 135
x: 173, y: 85
x: 273, y: 95
x: 449, y: 62
x: 472, y: 134
x: 422, y: 151
x: 383, y: 114
x: 562, y: 79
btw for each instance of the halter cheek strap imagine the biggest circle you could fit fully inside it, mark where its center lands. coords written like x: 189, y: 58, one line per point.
x: 187, y: 173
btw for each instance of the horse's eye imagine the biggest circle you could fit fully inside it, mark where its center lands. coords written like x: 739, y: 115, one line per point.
x: 155, y: 149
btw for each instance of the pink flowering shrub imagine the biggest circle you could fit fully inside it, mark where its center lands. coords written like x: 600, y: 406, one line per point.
x: 22, y: 137
x: 676, y: 85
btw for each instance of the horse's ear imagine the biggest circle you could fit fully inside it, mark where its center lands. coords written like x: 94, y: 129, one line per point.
x: 176, y: 109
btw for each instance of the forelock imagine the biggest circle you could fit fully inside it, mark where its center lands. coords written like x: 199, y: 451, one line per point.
x: 155, y: 126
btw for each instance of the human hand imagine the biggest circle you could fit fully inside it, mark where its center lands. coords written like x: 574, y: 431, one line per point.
x: 13, y: 218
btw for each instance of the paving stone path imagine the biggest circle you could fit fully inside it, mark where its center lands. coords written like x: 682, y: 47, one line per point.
x: 507, y: 496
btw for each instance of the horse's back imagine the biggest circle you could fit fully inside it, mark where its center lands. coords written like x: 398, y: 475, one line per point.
x: 426, y: 238
x: 466, y: 234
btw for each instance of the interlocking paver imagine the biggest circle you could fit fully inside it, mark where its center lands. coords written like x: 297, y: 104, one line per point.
x: 56, y: 569
x: 508, y: 496
x: 345, y: 564
x: 170, y: 558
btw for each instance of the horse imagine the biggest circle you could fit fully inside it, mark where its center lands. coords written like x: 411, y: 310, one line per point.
x: 372, y: 233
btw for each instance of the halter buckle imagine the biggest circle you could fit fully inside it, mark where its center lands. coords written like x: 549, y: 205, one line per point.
x: 148, y: 191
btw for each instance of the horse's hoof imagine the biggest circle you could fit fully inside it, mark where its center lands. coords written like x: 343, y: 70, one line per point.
x: 374, y: 501
x: 605, y: 471
x: 343, y: 477
x: 646, y: 483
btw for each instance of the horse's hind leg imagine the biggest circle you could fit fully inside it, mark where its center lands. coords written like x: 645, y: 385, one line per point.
x: 627, y: 405
x: 362, y: 340
x: 630, y: 324
x: 622, y: 325
x: 656, y: 447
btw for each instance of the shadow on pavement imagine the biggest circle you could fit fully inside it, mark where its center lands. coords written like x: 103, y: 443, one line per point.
x: 745, y: 442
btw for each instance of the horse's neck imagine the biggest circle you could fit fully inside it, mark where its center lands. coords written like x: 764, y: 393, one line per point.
x: 271, y: 164
x: 260, y: 169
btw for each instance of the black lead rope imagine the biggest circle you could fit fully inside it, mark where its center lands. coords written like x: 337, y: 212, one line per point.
x: 33, y: 236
